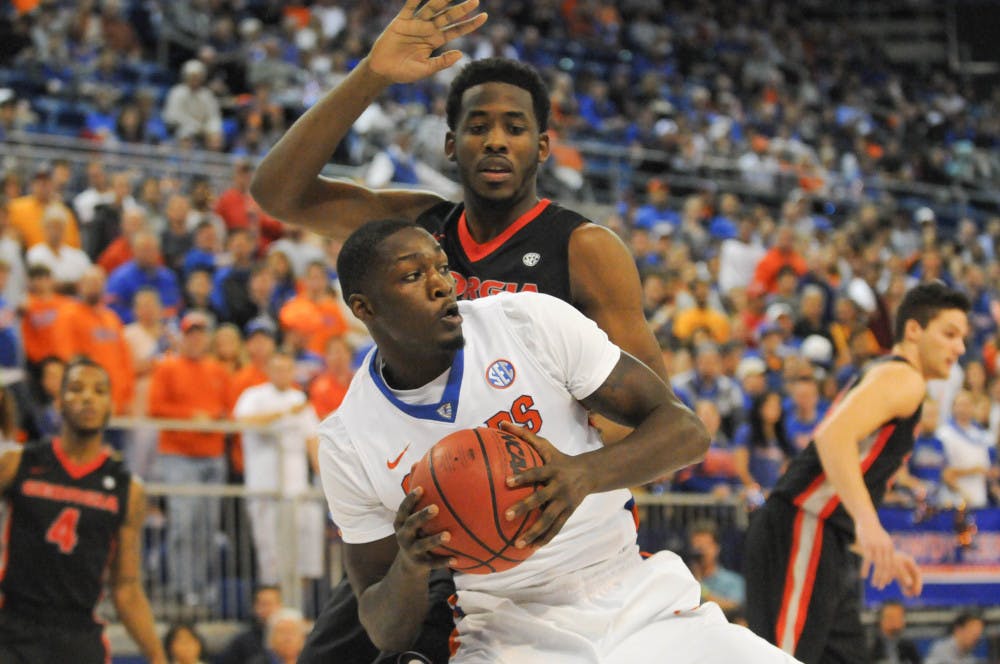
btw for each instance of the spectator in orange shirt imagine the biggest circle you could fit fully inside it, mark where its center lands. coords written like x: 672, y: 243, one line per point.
x: 191, y: 385
x: 781, y: 254
x: 239, y: 210
x: 26, y: 212
x: 702, y: 316
x: 120, y: 250
x: 90, y: 328
x: 42, y: 308
x: 330, y: 386
x: 318, y: 295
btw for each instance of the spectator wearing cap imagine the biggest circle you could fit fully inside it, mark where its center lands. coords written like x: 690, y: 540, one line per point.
x: 149, y: 339
x: 191, y: 110
x: 239, y: 210
x: 762, y: 446
x: 67, y: 263
x: 702, y: 316
x: 120, y: 250
x: 329, y: 388
x: 706, y: 381
x: 751, y: 374
x: 89, y: 327
x: 42, y: 309
x: 26, y: 212
x: 143, y: 271
x: 781, y: 254
x: 959, y: 646
x: 318, y: 294
x: 191, y: 385
x: 656, y: 215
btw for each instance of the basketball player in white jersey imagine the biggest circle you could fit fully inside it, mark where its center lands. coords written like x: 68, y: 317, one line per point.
x: 533, y: 365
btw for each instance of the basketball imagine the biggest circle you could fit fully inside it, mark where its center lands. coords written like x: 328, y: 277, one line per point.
x: 465, y: 475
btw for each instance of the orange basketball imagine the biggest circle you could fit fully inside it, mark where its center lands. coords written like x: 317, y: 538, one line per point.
x: 465, y: 475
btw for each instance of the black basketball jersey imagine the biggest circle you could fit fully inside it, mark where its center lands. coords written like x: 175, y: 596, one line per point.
x: 63, y: 523
x: 805, y: 484
x: 532, y: 254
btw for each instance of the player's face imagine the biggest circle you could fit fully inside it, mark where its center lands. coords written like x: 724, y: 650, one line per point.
x: 942, y: 342
x: 497, y: 144
x: 86, y: 399
x: 413, y: 303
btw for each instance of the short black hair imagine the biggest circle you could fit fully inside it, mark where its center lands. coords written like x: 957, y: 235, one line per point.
x: 922, y: 303
x: 499, y: 70
x: 360, y: 250
x: 963, y: 619
x: 36, y: 270
x: 177, y: 628
x: 889, y: 602
x: 80, y: 361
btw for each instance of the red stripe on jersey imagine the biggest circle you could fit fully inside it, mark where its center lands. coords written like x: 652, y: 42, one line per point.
x: 807, y: 587
x: 5, y: 542
x: 786, y: 598
x: 476, y: 251
x: 73, y: 469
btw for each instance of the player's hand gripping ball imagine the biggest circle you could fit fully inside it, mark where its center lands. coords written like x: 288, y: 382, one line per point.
x: 465, y: 475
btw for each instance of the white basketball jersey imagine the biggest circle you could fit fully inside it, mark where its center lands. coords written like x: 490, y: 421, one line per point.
x: 527, y: 358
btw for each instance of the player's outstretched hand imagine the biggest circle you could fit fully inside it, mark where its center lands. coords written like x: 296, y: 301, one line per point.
x: 877, y: 552
x: 565, y: 483
x: 908, y: 574
x: 403, y: 52
x: 413, y: 546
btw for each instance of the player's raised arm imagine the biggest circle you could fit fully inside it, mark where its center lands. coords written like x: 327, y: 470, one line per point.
x: 899, y: 389
x: 287, y: 183
x: 666, y: 436
x: 127, y: 592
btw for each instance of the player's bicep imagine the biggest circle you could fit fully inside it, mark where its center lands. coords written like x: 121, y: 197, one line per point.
x: 606, y: 287
x: 336, y: 208
x: 887, y: 392
x: 9, y: 462
x: 367, y: 564
x: 629, y: 393
x: 128, y: 553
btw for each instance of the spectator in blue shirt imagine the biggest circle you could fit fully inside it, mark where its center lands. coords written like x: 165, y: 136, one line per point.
x: 143, y: 271
x: 657, y: 215
x: 805, y: 410
x: 761, y: 446
x: 707, y: 381
x: 928, y: 459
x: 718, y: 584
x: 204, y: 253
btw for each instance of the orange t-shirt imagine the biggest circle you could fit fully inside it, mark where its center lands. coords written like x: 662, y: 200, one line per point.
x: 98, y: 333
x: 326, y: 393
x: 26, y: 218
x: 38, y: 326
x: 115, y: 254
x: 333, y: 323
x: 181, y: 387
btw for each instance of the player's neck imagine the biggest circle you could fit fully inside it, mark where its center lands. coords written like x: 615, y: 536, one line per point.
x: 81, y: 447
x: 909, y: 353
x: 487, y: 219
x: 408, y: 373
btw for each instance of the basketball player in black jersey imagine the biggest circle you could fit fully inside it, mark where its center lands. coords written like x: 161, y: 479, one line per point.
x: 820, y: 526
x: 501, y: 237
x: 75, y: 515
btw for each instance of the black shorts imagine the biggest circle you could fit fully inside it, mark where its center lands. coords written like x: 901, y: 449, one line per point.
x: 814, y: 609
x: 28, y: 641
x: 337, y: 635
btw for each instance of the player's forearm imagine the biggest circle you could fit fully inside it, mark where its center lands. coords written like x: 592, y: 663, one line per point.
x: 668, y: 439
x: 841, y: 461
x: 283, y: 179
x: 392, y: 611
x: 134, y: 612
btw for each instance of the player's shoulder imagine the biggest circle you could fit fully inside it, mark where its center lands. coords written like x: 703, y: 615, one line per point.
x: 901, y: 385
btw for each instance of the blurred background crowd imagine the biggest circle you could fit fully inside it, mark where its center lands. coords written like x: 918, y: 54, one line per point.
x: 780, y: 175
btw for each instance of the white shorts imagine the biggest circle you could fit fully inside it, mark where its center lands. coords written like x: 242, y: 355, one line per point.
x: 631, y: 610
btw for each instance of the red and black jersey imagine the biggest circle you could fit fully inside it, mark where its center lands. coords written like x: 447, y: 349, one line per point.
x: 806, y: 486
x: 532, y: 254
x: 62, y: 529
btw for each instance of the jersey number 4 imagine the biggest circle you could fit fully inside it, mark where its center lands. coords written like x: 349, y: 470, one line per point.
x: 62, y: 532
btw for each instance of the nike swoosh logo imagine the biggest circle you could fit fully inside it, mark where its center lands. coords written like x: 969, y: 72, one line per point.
x: 391, y: 465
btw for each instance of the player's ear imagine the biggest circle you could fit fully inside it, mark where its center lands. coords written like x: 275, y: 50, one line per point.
x: 361, y: 307
x: 912, y: 330
x: 544, y: 148
x: 449, y: 145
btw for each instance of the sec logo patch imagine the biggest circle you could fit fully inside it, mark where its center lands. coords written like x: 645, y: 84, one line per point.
x: 531, y: 259
x: 500, y: 374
